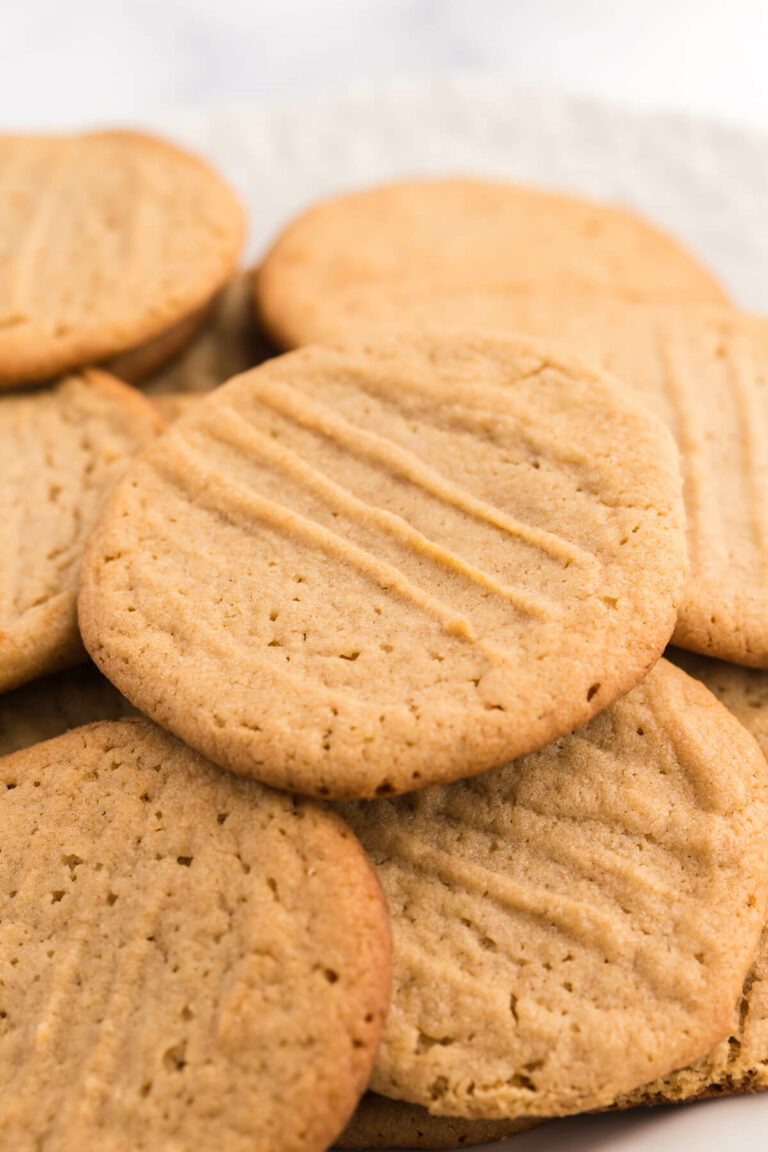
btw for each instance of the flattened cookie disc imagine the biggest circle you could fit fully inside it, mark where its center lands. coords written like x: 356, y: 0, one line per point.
x: 333, y: 269
x: 365, y: 569
x: 715, y: 388
x: 202, y: 963
x: 62, y: 450
x: 573, y: 924
x: 382, y: 1123
x: 107, y: 241
x: 737, y: 1065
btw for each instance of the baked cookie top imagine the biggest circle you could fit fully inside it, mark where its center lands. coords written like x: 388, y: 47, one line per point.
x: 571, y: 925
x: 345, y: 258
x: 744, y: 691
x: 360, y: 570
x: 106, y: 241
x: 62, y: 449
x: 189, y: 960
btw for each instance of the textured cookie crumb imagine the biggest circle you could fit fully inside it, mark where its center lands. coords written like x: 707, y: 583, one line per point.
x: 108, y: 240
x: 574, y: 924
x: 740, y: 1062
x: 366, y: 569
x: 63, y: 448
x: 189, y: 960
x: 351, y: 264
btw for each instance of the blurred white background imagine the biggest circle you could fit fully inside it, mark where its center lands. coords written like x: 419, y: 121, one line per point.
x: 91, y: 61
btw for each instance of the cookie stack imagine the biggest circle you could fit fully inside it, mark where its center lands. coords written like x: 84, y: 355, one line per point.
x: 381, y: 782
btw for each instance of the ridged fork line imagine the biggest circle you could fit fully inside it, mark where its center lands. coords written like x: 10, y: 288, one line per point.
x: 319, y: 418
x: 234, y: 501
x: 231, y: 430
x: 587, y: 926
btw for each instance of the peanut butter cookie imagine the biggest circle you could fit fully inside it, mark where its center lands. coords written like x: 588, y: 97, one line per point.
x: 335, y: 269
x: 62, y: 448
x: 574, y: 924
x: 107, y: 241
x: 189, y: 960
x: 365, y: 569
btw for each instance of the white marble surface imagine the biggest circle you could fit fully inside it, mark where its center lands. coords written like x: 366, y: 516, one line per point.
x: 82, y: 61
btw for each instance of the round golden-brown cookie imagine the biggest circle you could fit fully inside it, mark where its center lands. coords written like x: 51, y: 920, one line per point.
x: 229, y: 342
x: 366, y: 569
x: 107, y: 240
x: 345, y: 258
x: 189, y: 960
x: 382, y: 1123
x: 704, y: 372
x: 62, y: 449
x: 740, y: 1063
x: 572, y: 925
x: 52, y: 705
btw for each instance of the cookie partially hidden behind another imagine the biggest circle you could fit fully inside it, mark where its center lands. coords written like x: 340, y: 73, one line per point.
x: 704, y: 372
x: 229, y: 342
x: 740, y: 1063
x: 107, y: 241
x: 334, y: 269
x: 62, y: 449
x: 52, y: 705
x: 574, y: 924
x: 189, y: 960
x: 382, y: 1123
x: 365, y: 569
x: 143, y: 363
